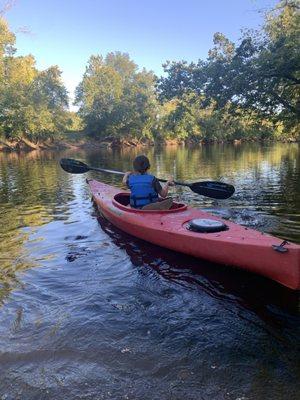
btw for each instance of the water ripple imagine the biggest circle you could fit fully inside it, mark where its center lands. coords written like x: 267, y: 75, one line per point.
x: 88, y: 312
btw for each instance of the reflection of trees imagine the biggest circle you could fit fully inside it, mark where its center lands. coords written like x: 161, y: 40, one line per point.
x: 289, y: 179
x: 34, y: 189
x: 223, y: 160
x: 30, y: 193
x: 213, y: 161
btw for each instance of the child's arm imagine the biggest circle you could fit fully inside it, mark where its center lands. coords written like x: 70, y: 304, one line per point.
x: 164, y: 191
x: 125, y: 177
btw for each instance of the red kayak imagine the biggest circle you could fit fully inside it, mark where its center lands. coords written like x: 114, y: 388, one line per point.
x: 197, y: 233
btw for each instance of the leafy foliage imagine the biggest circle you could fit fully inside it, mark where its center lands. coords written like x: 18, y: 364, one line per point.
x: 33, y: 104
x: 260, y: 76
x: 115, y: 99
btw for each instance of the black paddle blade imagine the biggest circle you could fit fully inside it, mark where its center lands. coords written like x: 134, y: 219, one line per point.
x: 73, y: 166
x: 216, y: 190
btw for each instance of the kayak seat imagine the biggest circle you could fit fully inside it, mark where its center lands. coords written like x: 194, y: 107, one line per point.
x: 123, y: 199
x: 205, y: 225
x: 161, y: 204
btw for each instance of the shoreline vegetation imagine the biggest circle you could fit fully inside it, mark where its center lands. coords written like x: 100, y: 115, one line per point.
x: 244, y: 91
x: 24, y: 145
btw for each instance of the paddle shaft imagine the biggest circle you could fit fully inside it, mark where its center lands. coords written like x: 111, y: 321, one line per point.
x: 111, y: 171
x: 122, y: 173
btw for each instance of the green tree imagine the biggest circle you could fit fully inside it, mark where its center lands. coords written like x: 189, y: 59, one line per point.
x: 122, y: 64
x: 115, y: 99
x: 263, y: 72
x: 7, y: 39
x: 259, y: 76
x: 33, y: 104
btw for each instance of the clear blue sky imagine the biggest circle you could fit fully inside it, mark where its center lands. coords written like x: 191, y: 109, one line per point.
x: 67, y: 32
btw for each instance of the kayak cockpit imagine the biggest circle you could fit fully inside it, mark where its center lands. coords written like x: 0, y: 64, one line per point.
x: 122, y: 201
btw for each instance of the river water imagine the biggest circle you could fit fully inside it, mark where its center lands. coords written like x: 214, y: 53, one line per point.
x: 88, y: 312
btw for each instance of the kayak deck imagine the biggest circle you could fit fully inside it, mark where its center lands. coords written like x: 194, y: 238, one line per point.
x: 237, y: 246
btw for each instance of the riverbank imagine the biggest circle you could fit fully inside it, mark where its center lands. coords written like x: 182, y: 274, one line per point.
x: 76, y: 140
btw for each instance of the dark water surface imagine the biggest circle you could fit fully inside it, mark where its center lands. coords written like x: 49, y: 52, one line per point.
x: 87, y: 312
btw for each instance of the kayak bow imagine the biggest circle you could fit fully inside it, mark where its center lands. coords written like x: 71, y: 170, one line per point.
x: 197, y: 233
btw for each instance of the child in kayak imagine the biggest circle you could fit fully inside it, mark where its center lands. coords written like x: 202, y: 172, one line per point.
x: 145, y: 188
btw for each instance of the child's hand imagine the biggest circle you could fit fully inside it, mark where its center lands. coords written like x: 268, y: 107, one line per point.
x: 170, y: 181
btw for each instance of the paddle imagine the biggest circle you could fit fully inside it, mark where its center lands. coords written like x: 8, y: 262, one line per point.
x: 213, y: 189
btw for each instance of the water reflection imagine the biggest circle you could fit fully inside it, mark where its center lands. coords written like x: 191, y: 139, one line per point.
x: 89, y: 312
x: 34, y: 190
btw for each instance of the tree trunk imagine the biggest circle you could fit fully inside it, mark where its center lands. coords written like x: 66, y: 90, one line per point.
x: 30, y: 144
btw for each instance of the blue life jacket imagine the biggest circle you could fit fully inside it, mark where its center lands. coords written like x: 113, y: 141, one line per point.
x: 142, y: 191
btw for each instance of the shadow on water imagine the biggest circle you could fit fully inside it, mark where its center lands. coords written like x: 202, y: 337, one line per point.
x: 251, y: 291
